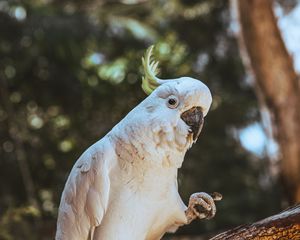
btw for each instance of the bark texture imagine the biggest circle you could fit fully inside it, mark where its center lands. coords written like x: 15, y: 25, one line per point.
x: 283, y: 226
x: 277, y: 83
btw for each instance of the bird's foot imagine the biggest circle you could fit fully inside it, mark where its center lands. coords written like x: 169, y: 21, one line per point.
x: 202, y: 205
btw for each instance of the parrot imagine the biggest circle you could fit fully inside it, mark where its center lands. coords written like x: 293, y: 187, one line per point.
x: 124, y: 186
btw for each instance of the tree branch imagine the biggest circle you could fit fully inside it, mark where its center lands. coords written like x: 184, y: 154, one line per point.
x: 284, y: 226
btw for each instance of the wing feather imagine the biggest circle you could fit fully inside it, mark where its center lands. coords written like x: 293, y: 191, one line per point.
x: 85, y: 196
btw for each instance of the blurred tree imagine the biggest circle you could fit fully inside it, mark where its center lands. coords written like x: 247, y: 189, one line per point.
x: 69, y: 70
x: 277, y: 84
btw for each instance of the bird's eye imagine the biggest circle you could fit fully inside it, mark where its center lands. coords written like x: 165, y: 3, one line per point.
x: 172, y: 102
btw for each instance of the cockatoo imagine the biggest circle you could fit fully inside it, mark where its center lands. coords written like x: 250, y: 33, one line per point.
x: 124, y: 187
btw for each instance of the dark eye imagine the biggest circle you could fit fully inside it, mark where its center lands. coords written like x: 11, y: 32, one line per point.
x: 172, y: 101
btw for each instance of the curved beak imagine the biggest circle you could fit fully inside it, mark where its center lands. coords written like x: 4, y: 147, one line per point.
x: 194, y: 119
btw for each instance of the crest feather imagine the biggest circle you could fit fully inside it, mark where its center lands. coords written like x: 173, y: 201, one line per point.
x: 150, y: 82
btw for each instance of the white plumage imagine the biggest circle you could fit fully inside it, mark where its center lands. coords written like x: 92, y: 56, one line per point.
x: 124, y: 187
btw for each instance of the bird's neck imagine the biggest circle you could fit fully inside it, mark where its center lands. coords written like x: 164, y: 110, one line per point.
x: 139, y: 146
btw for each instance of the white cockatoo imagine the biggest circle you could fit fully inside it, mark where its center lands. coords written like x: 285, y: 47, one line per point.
x: 124, y: 187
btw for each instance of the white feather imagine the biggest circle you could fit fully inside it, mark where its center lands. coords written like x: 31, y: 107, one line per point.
x: 124, y: 187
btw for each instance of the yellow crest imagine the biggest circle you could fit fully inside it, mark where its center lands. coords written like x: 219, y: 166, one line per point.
x: 150, y: 82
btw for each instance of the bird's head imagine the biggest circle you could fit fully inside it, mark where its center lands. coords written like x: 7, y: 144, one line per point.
x: 175, y: 107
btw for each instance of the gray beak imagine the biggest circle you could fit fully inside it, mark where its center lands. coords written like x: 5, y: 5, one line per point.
x: 194, y: 119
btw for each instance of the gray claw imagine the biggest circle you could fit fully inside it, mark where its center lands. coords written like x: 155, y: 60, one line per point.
x: 203, y: 204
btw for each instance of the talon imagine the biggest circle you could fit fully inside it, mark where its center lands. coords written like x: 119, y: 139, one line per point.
x: 202, y: 205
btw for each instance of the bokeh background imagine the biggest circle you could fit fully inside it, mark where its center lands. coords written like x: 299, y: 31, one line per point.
x: 70, y: 70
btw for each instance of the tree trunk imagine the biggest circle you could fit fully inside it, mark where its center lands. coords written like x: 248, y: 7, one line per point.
x: 276, y: 82
x: 283, y: 226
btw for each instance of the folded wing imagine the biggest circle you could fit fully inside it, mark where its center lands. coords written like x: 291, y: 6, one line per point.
x: 85, y: 197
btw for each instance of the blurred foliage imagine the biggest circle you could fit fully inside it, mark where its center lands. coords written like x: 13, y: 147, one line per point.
x: 70, y: 70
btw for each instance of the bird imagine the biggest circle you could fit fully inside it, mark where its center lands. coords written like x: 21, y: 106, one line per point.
x: 124, y: 186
